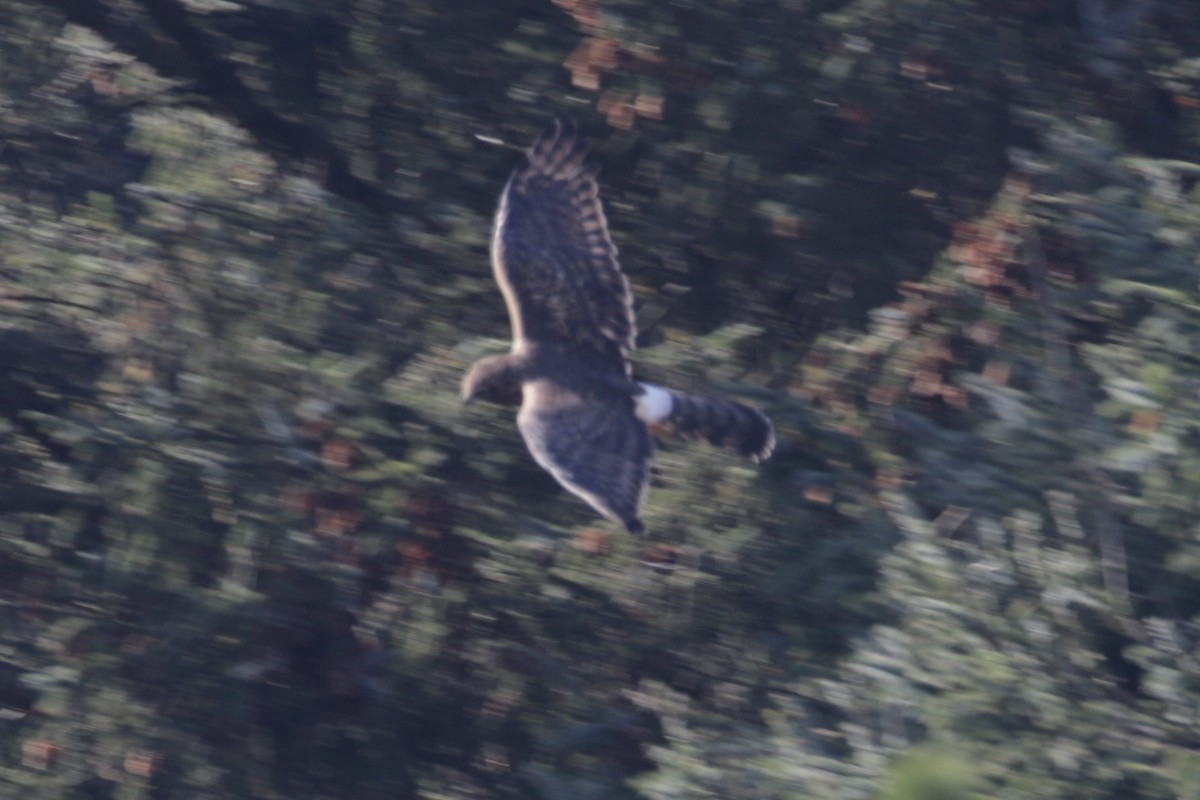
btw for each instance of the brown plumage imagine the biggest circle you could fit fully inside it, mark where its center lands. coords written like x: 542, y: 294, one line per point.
x: 721, y: 423
x: 582, y: 415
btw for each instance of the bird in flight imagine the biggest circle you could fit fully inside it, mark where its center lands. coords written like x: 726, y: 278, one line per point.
x: 584, y: 417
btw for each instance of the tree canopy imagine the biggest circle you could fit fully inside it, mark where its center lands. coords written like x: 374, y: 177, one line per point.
x: 252, y: 545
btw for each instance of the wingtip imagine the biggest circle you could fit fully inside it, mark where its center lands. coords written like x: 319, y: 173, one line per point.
x: 769, y: 447
x: 564, y: 128
x: 560, y: 146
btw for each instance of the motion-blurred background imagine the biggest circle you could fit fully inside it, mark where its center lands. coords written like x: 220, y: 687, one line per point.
x: 252, y: 546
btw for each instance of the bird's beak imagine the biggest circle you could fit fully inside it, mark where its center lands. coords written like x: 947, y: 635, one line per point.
x: 468, y: 399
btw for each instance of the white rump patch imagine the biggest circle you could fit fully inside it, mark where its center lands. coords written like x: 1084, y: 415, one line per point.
x: 654, y: 404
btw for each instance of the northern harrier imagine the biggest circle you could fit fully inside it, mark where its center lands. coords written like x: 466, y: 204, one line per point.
x: 582, y: 414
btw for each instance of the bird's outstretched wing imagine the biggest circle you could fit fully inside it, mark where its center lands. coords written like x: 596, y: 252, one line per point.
x: 553, y: 257
x: 594, y: 447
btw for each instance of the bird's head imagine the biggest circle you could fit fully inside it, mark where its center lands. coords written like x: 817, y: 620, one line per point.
x: 494, y: 379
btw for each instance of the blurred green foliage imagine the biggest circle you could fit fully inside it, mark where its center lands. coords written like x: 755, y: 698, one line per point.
x: 251, y: 545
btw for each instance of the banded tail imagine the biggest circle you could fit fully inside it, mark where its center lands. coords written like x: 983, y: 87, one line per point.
x: 723, y: 423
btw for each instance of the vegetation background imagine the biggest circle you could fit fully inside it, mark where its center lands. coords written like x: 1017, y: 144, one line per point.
x: 251, y: 545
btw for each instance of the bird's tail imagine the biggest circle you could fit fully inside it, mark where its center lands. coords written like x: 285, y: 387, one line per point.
x: 724, y: 423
